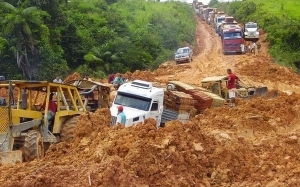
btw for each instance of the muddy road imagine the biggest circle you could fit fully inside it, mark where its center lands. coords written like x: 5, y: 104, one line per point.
x: 254, y: 144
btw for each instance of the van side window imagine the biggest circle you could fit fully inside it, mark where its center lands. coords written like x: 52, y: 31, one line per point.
x: 154, y: 106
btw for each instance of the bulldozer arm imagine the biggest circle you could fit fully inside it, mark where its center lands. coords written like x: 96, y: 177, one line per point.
x: 11, y: 157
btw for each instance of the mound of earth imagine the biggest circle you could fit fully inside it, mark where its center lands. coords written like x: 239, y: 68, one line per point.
x: 254, y: 144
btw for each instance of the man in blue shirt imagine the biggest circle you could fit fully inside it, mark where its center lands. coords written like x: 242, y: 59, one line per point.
x: 118, y: 81
x: 121, y: 118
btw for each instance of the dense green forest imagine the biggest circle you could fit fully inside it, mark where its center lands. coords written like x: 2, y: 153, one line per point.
x: 279, y: 18
x: 40, y: 39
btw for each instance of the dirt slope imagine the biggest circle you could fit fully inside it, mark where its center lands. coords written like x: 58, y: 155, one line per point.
x: 254, y: 144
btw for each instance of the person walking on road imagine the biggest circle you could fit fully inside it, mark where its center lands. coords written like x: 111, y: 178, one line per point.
x: 253, y: 47
x: 231, y: 86
x: 243, y: 48
x: 258, y: 48
x: 121, y: 118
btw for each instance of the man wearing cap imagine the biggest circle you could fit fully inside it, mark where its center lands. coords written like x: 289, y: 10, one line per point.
x: 121, y: 118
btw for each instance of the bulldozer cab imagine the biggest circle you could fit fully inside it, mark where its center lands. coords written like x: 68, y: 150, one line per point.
x: 216, y: 85
x: 24, y: 112
x: 96, y: 94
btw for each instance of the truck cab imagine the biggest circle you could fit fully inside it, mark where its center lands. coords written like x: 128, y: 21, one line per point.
x: 140, y: 100
x: 232, y: 39
x: 251, y: 31
x: 218, y: 22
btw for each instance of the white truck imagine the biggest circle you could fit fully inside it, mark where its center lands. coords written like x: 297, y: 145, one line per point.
x: 251, y: 31
x: 140, y: 100
x: 218, y: 22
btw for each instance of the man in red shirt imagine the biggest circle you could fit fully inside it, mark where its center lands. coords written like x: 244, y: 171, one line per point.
x: 231, y: 86
x: 52, y: 108
x: 111, y: 78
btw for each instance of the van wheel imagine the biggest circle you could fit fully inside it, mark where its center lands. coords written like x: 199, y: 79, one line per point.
x: 33, y: 147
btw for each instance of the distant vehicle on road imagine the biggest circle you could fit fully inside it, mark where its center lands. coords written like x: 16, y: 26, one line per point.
x: 251, y: 31
x: 184, y: 54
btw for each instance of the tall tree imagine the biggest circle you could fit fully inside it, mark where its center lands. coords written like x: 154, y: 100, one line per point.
x: 18, y: 24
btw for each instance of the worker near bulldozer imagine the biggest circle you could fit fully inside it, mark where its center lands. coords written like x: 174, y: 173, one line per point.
x: 52, y: 108
x: 231, y: 86
x: 121, y: 118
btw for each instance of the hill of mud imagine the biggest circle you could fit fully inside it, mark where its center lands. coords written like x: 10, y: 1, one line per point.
x: 254, y: 144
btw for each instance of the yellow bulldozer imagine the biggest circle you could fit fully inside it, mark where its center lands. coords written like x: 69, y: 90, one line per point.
x: 245, y: 88
x: 24, y: 110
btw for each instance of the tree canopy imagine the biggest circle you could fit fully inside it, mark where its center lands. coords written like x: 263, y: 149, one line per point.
x: 42, y: 39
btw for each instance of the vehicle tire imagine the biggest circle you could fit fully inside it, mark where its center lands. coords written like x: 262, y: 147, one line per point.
x: 176, y: 62
x: 189, y: 60
x: 33, y: 146
x: 67, y: 130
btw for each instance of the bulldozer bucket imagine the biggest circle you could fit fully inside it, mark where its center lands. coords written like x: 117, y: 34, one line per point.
x: 11, y: 157
x: 261, y: 91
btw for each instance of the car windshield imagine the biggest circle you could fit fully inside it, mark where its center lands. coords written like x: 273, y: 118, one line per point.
x: 221, y: 19
x: 182, y: 50
x: 232, y: 35
x: 133, y: 101
x: 251, y: 26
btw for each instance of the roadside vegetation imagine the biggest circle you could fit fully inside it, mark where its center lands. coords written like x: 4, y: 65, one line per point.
x: 279, y: 18
x: 41, y: 39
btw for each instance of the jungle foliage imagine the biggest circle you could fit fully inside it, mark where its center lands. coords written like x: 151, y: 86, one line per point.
x: 40, y: 39
x: 279, y: 18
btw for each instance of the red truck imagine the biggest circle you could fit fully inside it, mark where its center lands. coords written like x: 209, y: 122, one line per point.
x: 231, y: 36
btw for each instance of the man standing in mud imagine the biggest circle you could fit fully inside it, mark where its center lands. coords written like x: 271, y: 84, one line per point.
x: 121, y: 118
x: 231, y: 86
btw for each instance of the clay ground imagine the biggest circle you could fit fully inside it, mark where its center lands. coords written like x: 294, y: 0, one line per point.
x: 255, y: 144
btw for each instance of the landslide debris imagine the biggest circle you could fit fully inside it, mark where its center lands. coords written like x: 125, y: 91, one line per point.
x: 244, y: 146
x: 255, y: 144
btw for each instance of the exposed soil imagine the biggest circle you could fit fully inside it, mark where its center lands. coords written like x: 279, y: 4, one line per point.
x: 254, y: 144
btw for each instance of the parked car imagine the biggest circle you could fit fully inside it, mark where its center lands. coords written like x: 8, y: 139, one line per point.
x: 2, y: 78
x: 184, y: 54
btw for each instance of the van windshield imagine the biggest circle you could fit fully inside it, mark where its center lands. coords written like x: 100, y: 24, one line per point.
x: 133, y: 101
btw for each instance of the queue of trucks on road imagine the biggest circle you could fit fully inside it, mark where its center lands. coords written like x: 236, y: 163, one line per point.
x: 233, y: 34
